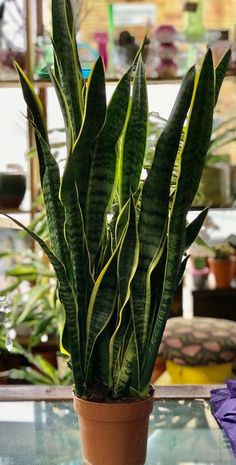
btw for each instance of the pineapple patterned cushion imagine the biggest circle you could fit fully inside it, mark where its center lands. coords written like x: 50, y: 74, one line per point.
x: 199, y: 341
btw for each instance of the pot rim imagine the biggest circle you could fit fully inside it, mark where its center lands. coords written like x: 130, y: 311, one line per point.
x: 105, y: 411
x: 127, y: 401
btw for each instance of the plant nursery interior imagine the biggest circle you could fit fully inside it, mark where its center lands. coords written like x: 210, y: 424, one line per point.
x: 196, y: 359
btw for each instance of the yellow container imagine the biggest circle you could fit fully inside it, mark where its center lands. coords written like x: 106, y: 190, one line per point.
x: 185, y: 374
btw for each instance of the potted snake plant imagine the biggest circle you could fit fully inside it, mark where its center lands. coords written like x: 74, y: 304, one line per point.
x: 117, y: 242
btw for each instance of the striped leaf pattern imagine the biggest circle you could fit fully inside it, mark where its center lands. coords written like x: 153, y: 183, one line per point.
x: 68, y: 299
x: 65, y: 45
x: 79, y: 161
x: 155, y: 207
x: 101, y: 308
x: 54, y: 208
x: 50, y: 176
x: 33, y: 103
x: 126, y: 267
x: 104, y: 166
x: 194, y: 227
x: 124, y: 374
x: 134, y: 137
x: 197, y: 138
x: 79, y: 257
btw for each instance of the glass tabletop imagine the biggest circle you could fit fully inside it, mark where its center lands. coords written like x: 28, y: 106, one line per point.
x: 181, y: 432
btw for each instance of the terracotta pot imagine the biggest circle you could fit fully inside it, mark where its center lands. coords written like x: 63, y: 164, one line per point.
x: 115, y: 433
x: 222, y: 270
x: 234, y: 265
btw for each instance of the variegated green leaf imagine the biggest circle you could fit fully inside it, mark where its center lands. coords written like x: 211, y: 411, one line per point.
x: 134, y: 137
x: 194, y: 227
x: 74, y: 187
x: 34, y: 104
x: 70, y: 305
x: 194, y: 149
x: 126, y: 267
x: 101, y: 308
x: 181, y: 270
x: 54, y: 208
x: 79, y: 256
x: 79, y: 161
x: 70, y: 77
x: 128, y: 256
x: 119, y: 342
x: 124, y: 374
x: 104, y: 167
x: 154, y: 209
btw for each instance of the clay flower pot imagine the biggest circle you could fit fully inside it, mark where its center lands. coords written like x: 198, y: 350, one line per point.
x: 222, y: 270
x: 233, y: 258
x: 114, y: 433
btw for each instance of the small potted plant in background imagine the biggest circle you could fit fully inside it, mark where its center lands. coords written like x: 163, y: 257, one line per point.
x: 232, y: 243
x: 199, y: 271
x: 117, y: 244
x: 221, y: 264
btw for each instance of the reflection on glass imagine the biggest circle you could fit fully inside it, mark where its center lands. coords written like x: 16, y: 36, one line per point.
x: 181, y: 433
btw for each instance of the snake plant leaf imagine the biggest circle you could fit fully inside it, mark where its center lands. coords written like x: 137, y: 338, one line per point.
x: 104, y: 167
x: 134, y: 137
x: 66, y: 52
x: 124, y: 374
x: 220, y: 72
x: 119, y: 342
x: 194, y: 149
x: 54, y: 208
x: 181, y: 270
x: 79, y: 161
x: 79, y: 256
x: 35, y: 106
x: 75, y: 183
x: 69, y: 301
x: 126, y: 267
x: 121, y: 221
x: 101, y: 308
x: 154, y: 208
x: 194, y: 227
x: 198, y: 133
x: 118, y: 243
x: 105, y: 293
x: 157, y: 185
x: 128, y: 256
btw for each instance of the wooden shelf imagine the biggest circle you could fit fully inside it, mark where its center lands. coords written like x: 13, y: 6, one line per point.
x: 43, y: 84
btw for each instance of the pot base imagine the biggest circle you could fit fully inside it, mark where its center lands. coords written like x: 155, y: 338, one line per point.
x: 116, y: 433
